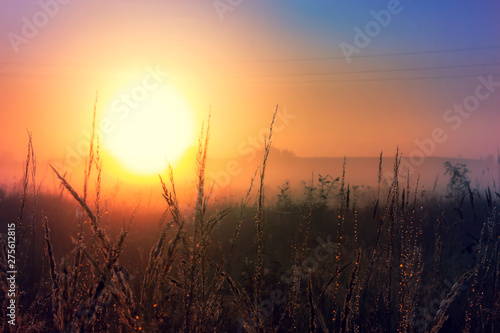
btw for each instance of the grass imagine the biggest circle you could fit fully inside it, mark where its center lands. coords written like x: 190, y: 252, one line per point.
x: 406, y: 261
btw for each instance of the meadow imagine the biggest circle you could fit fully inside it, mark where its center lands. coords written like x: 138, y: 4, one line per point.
x: 339, y: 258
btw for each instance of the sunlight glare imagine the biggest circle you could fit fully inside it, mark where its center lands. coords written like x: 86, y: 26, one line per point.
x: 151, y: 133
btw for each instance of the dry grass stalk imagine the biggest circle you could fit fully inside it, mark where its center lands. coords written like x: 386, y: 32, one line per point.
x: 441, y: 315
x: 50, y: 254
x: 344, y: 324
x: 298, y: 252
x: 111, y: 277
x: 25, y: 181
x: 259, y: 217
x: 410, y: 259
x: 88, y: 168
x: 341, y: 212
x: 312, y: 305
x: 391, y: 234
x: 106, y: 246
x: 385, y: 215
x: 242, y: 214
x: 33, y: 216
x: 163, y: 253
x: 246, y: 308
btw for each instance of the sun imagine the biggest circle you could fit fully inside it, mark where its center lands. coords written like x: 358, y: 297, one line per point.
x: 147, y: 131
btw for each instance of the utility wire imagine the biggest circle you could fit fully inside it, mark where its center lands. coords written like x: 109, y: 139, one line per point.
x: 466, y: 49
x: 437, y: 77
x: 409, y: 53
x: 380, y: 70
x: 373, y: 71
x: 404, y: 78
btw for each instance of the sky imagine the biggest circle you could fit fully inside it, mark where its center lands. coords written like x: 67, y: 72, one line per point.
x: 350, y: 78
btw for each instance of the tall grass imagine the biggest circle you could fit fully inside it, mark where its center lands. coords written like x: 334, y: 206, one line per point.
x: 383, y: 271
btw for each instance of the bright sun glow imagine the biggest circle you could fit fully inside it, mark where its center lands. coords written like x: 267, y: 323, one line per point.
x: 149, y: 128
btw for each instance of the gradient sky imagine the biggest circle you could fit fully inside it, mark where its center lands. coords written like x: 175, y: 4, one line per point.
x: 259, y: 55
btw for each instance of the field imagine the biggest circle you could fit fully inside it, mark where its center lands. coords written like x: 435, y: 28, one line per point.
x: 339, y: 258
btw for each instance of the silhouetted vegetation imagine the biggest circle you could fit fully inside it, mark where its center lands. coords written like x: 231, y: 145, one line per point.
x: 340, y: 259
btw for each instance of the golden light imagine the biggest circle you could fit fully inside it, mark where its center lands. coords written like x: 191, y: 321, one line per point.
x: 147, y: 127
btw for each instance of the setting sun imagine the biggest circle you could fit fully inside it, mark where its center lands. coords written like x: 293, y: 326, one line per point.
x: 148, y: 131
x: 249, y: 166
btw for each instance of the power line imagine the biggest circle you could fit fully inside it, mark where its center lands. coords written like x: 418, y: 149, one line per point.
x: 437, y: 77
x: 405, y: 78
x: 381, y: 70
x: 380, y: 55
x: 371, y: 55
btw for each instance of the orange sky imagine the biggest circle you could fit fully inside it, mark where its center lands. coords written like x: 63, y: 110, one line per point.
x: 241, y: 67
